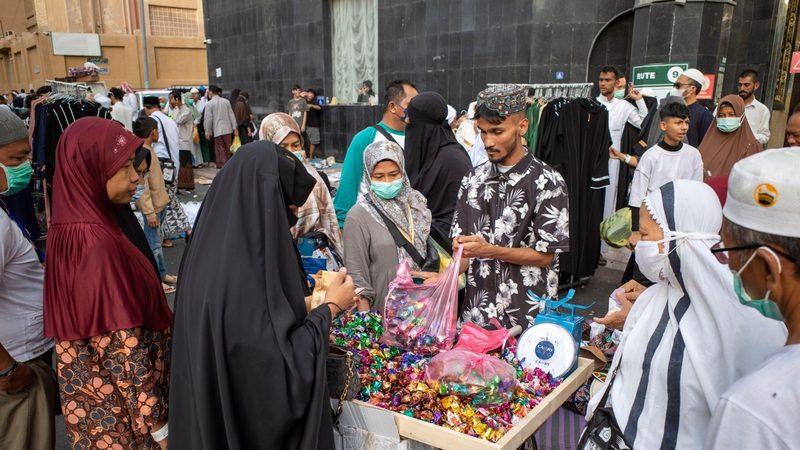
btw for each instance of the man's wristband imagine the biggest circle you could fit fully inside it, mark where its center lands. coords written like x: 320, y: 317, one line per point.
x: 7, y: 373
x: 161, y: 434
x: 627, y: 159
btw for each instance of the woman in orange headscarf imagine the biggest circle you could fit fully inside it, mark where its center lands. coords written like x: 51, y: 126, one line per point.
x: 728, y: 140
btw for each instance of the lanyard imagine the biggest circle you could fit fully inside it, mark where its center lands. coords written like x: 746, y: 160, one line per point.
x: 25, y: 233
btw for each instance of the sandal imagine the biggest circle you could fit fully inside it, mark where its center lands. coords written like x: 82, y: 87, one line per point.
x: 167, y: 243
x: 171, y: 279
x: 168, y: 289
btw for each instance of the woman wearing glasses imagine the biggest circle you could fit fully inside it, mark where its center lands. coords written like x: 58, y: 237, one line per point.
x: 687, y: 338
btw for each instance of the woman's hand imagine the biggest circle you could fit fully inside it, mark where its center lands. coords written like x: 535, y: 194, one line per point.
x: 631, y: 291
x: 341, y: 292
x: 362, y: 303
x: 163, y: 444
x: 429, y: 277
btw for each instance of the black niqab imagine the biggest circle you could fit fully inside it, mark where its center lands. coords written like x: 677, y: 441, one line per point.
x: 248, y: 362
x: 435, y: 161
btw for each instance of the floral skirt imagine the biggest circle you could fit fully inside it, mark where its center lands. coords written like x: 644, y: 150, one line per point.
x: 114, y: 387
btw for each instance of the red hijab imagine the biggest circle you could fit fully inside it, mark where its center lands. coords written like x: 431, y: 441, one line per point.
x: 96, y: 280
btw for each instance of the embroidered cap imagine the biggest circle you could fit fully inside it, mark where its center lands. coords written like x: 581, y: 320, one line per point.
x: 505, y: 99
x: 764, y: 192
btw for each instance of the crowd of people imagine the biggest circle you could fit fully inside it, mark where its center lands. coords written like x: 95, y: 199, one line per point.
x: 711, y: 300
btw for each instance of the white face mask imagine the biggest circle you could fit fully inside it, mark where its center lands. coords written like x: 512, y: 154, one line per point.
x: 677, y: 92
x: 652, y: 263
x: 655, y: 265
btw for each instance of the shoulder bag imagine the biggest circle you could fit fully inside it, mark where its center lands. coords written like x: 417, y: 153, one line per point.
x: 427, y: 264
x: 167, y: 164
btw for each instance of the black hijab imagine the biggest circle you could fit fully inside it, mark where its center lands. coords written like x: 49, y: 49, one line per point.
x: 128, y: 222
x: 435, y: 161
x: 248, y: 362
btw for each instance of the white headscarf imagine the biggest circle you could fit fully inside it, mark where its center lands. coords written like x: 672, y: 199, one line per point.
x: 687, y: 338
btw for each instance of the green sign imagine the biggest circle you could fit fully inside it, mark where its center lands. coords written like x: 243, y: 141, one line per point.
x: 657, y: 75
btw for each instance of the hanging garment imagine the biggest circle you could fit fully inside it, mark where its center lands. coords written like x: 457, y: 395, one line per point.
x: 574, y: 140
x: 631, y: 144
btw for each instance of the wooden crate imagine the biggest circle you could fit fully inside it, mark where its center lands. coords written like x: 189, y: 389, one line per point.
x: 446, y: 439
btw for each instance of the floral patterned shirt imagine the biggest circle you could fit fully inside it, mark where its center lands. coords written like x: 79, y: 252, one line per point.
x: 526, y: 207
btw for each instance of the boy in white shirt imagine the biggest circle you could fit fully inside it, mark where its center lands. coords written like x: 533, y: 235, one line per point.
x: 671, y: 159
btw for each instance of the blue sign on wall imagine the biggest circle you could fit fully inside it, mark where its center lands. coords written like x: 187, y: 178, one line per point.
x: 559, y: 75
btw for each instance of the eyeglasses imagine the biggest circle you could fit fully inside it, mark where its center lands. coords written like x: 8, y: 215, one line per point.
x: 679, y: 85
x: 722, y: 256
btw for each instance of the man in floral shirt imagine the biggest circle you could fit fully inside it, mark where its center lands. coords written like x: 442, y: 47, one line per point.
x: 511, y: 216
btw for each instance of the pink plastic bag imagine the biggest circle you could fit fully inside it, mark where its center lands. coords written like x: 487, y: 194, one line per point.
x: 486, y: 379
x: 481, y: 340
x: 422, y: 318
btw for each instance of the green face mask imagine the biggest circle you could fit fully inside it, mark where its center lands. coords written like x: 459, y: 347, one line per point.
x: 619, y: 94
x: 765, y: 306
x: 728, y: 124
x: 190, y: 102
x: 387, y: 190
x: 18, y: 177
x: 299, y: 155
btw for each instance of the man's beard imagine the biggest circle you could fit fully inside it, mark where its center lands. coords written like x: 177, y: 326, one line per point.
x: 745, y: 95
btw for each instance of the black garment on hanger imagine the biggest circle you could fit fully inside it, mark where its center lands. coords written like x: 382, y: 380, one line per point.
x: 574, y: 140
x: 631, y: 144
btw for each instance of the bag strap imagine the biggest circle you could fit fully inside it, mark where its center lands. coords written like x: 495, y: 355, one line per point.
x: 385, y: 134
x: 398, y: 237
x: 166, y: 141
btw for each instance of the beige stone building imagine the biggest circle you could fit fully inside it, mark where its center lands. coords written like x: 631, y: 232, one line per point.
x: 31, y: 30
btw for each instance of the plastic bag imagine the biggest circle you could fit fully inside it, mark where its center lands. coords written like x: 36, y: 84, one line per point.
x: 422, y: 318
x: 617, y: 228
x: 235, y: 144
x: 488, y: 380
x: 481, y: 340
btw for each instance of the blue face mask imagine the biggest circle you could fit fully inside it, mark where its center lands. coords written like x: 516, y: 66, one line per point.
x: 728, y: 124
x: 299, y: 155
x: 387, y: 190
x: 765, y: 306
x: 139, y: 192
x: 619, y: 94
x: 17, y: 177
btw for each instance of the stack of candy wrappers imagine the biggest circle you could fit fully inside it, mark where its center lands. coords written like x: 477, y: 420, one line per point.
x: 395, y: 380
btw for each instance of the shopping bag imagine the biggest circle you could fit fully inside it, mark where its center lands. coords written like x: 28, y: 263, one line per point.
x: 487, y: 380
x: 235, y: 144
x: 195, y: 135
x: 480, y: 340
x: 422, y: 318
x: 617, y: 228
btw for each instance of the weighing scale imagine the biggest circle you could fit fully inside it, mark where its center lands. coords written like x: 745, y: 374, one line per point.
x: 552, y: 344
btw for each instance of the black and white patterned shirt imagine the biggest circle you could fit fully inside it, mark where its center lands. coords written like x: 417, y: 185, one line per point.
x: 526, y: 207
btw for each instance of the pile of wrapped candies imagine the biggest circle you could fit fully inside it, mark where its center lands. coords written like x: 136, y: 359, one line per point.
x: 394, y: 380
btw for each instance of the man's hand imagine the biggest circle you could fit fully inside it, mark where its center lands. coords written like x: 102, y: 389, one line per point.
x: 634, y: 239
x: 634, y: 93
x: 17, y: 381
x: 152, y: 221
x: 209, y: 136
x: 429, y: 277
x: 616, y: 154
x: 474, y: 246
x: 362, y: 303
x: 303, y: 129
x: 236, y: 132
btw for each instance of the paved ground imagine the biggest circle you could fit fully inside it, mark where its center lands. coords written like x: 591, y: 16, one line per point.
x: 606, y: 279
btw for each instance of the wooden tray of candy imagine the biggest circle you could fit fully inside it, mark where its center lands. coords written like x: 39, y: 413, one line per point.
x: 446, y: 439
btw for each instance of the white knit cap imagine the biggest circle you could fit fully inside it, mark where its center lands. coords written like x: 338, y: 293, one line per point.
x: 698, y: 76
x: 764, y: 192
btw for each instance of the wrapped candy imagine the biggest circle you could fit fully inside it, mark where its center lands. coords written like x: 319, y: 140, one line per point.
x: 422, y: 318
x: 487, y: 379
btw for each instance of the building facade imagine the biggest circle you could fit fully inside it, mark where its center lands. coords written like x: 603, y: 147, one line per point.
x: 175, y: 48
x: 456, y: 47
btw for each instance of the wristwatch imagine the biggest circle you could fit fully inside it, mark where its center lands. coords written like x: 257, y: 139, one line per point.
x: 7, y: 373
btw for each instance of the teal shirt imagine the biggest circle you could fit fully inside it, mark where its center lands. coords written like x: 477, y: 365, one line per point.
x: 353, y: 169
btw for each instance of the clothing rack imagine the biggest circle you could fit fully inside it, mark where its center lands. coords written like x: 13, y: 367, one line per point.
x: 554, y: 90
x: 72, y: 89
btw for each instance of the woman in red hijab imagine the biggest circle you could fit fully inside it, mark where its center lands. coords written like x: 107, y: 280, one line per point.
x: 102, y: 301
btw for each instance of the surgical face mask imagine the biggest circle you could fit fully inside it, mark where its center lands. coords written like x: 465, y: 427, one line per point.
x: 728, y: 124
x: 619, y: 94
x: 387, y: 190
x: 190, y: 102
x: 17, y: 177
x: 677, y: 92
x: 404, y: 117
x: 139, y: 193
x: 765, y: 306
x: 163, y: 105
x: 652, y: 263
x: 299, y: 155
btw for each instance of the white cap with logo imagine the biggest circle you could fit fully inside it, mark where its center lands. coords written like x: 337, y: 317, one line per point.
x: 764, y: 192
x: 696, y: 75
